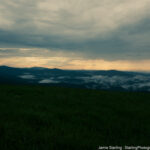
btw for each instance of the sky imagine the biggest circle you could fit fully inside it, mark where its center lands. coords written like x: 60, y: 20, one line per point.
x: 76, y: 34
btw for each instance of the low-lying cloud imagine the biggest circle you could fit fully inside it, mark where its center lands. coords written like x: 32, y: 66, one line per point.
x: 44, y: 81
x: 27, y: 76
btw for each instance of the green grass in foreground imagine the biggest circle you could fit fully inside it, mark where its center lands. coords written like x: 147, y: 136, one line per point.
x: 55, y: 118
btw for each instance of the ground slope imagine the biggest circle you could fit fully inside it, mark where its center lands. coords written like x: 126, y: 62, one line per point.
x: 55, y: 118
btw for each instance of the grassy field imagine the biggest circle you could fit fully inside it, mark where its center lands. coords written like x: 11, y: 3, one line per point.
x: 55, y: 118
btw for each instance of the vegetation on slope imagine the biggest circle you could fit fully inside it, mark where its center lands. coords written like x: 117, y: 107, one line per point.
x: 55, y: 118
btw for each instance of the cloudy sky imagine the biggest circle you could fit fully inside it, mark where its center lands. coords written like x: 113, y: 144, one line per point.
x: 75, y: 34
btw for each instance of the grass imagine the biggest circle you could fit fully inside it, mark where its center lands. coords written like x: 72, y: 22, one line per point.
x: 56, y: 118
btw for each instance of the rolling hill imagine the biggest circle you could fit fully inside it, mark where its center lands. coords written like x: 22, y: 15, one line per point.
x: 91, y: 79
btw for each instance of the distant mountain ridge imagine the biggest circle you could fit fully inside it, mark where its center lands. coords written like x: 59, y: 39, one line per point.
x: 92, y: 79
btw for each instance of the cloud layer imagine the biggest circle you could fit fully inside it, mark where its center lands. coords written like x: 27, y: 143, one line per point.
x: 30, y: 57
x: 91, y: 29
